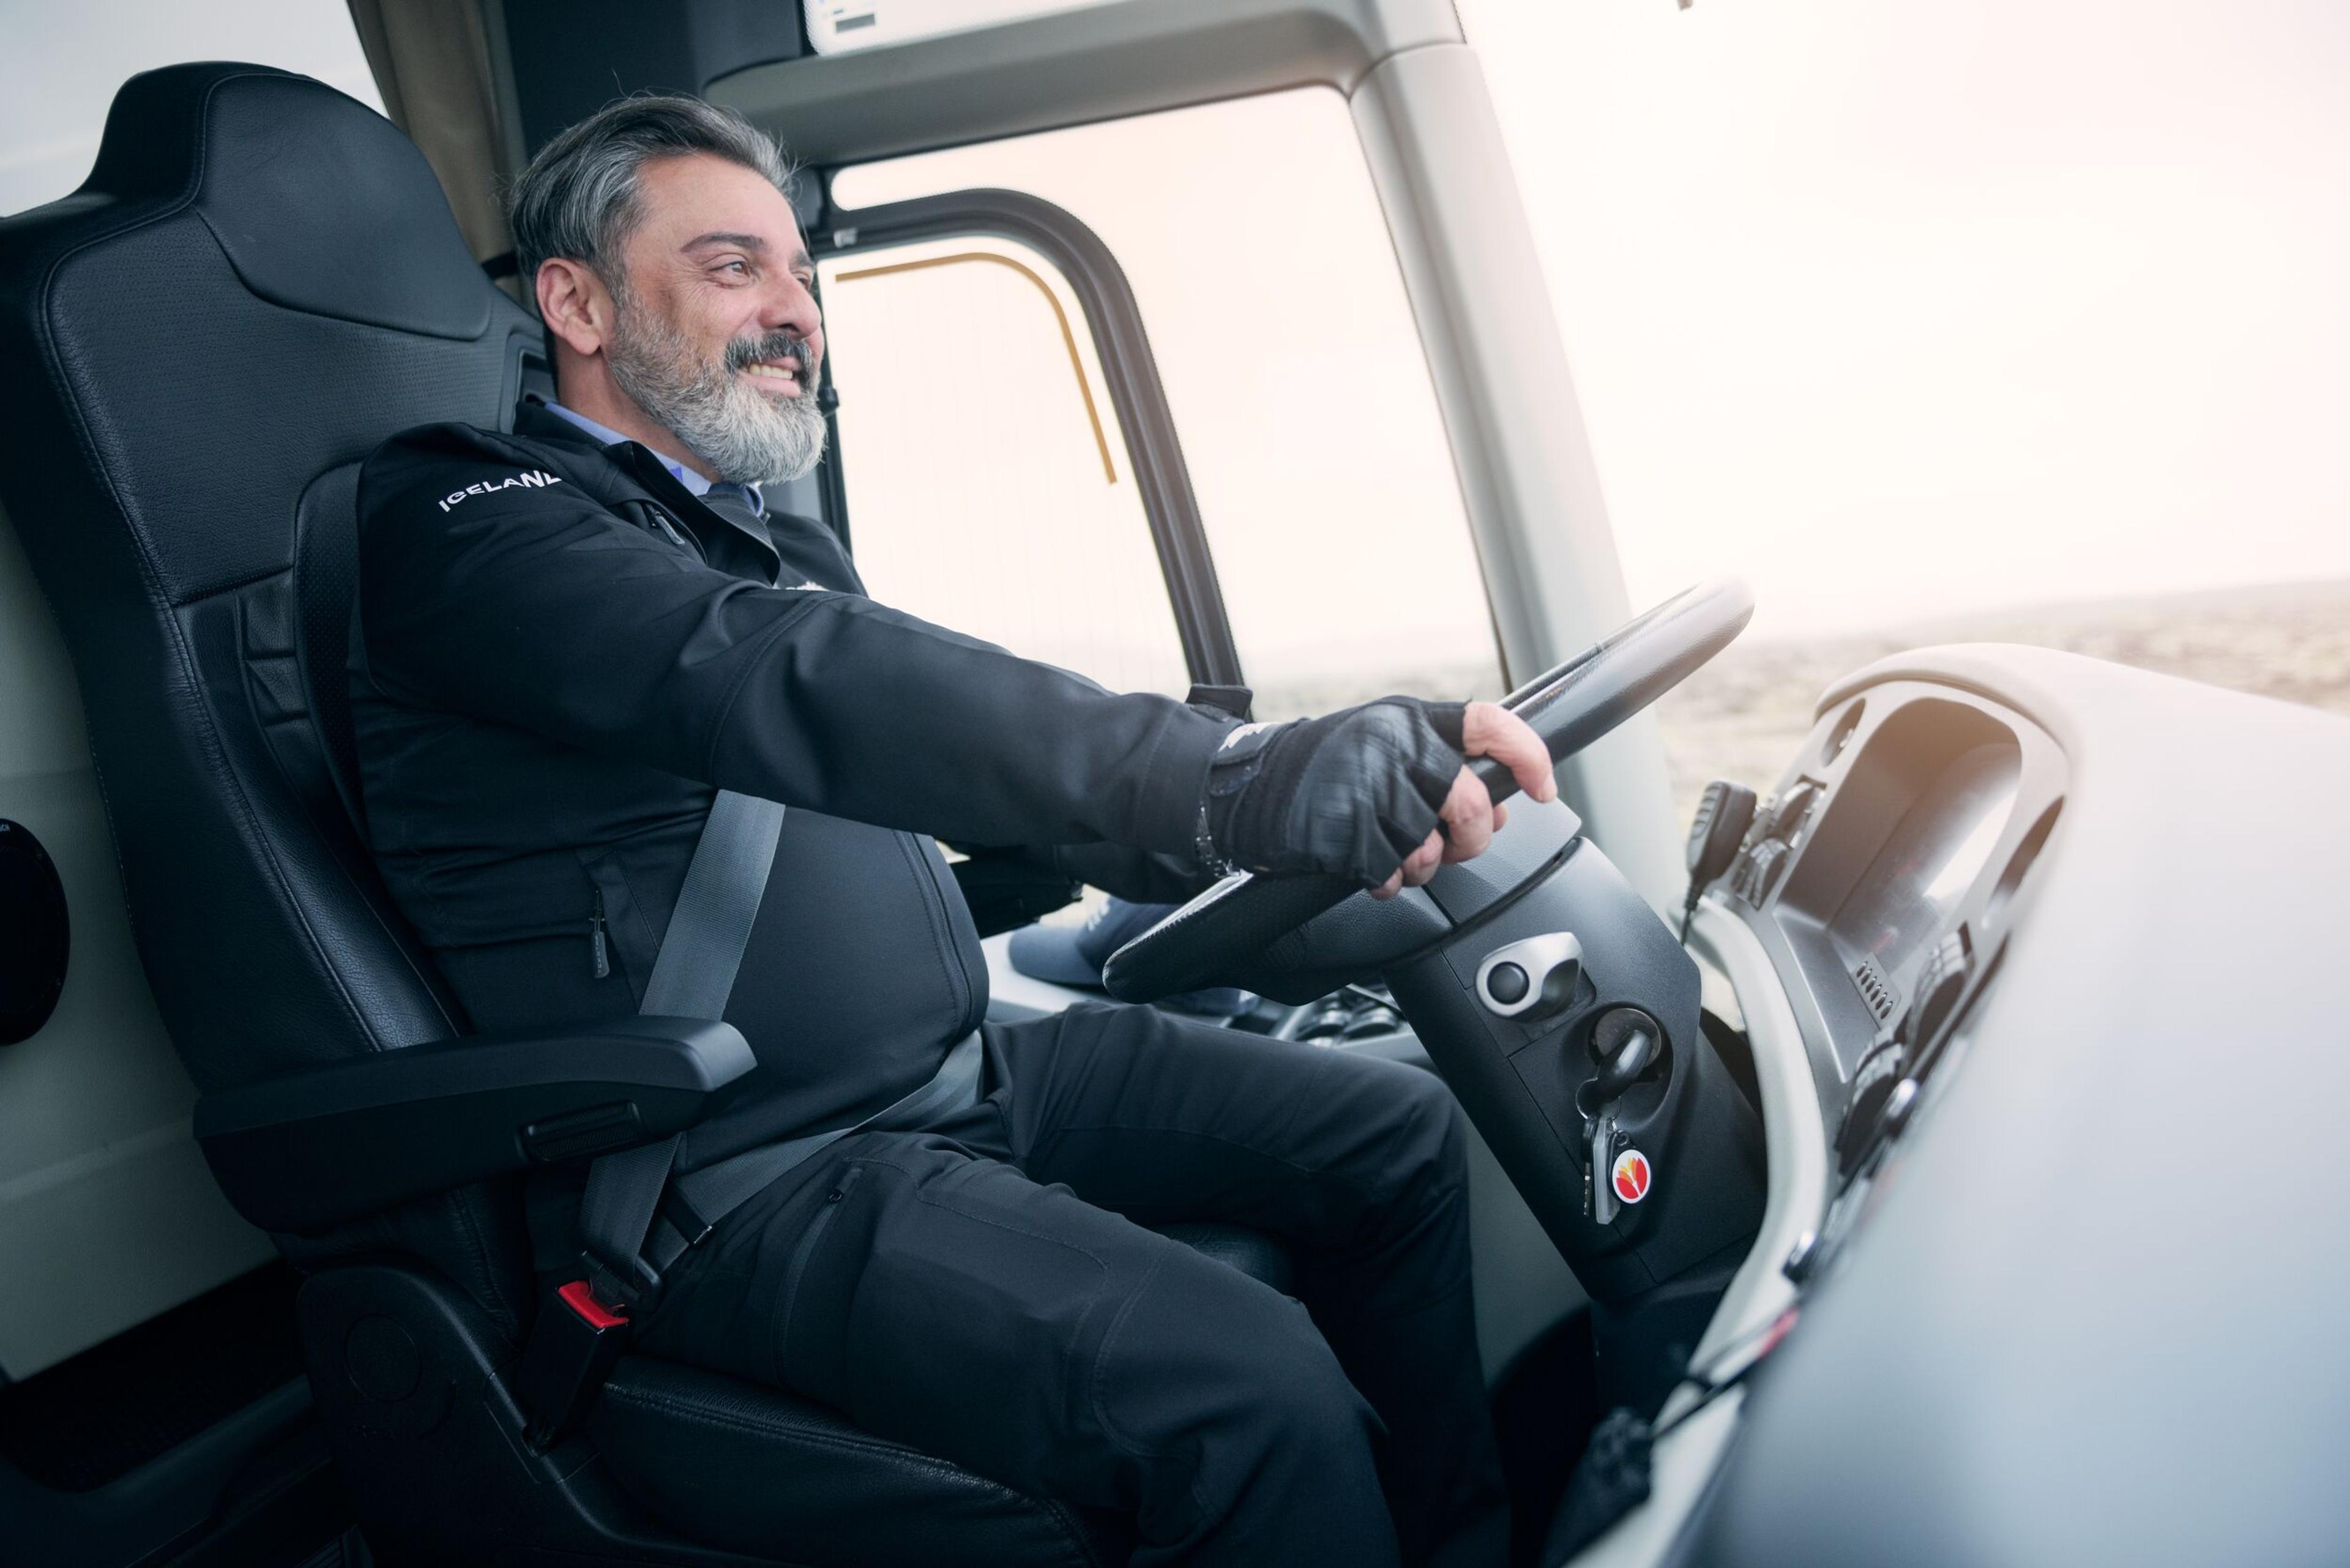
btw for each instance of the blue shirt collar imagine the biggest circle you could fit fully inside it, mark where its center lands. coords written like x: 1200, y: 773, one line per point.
x: 684, y: 475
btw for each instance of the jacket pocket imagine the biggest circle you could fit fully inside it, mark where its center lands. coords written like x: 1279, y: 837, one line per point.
x: 836, y: 1197
x: 614, y: 924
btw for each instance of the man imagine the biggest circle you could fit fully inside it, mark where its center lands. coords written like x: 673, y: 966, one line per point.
x: 571, y: 636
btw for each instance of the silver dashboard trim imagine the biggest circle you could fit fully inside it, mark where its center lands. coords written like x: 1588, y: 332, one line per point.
x: 1794, y: 1138
x: 1539, y: 957
x: 1795, y: 1144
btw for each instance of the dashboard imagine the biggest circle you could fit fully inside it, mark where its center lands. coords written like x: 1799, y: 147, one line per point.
x: 1880, y: 875
x: 2039, y: 960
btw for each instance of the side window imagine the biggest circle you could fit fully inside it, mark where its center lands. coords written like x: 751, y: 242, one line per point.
x: 63, y: 63
x: 1252, y: 241
x: 985, y: 474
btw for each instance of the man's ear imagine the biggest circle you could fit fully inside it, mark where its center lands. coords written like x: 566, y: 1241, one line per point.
x: 574, y: 304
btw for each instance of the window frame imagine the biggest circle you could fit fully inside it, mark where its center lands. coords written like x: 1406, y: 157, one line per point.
x: 1114, y: 321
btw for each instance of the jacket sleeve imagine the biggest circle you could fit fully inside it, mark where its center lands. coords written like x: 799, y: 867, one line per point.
x: 1137, y: 876
x: 531, y: 604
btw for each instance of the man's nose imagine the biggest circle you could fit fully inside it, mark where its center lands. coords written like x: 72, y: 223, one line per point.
x: 792, y: 308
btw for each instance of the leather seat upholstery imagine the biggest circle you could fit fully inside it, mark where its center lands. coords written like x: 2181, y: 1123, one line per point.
x: 258, y: 283
x: 685, y: 1437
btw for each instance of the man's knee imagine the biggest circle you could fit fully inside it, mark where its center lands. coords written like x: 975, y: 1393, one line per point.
x: 1234, y: 1422
x: 1213, y: 1365
x: 1298, y: 1397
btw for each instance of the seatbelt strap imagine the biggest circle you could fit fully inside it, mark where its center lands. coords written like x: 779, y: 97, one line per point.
x: 635, y: 1221
x: 577, y: 1338
x: 574, y: 1340
x: 686, y: 1207
x: 693, y: 974
x: 704, y: 1197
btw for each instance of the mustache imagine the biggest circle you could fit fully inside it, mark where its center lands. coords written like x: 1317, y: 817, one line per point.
x: 774, y: 348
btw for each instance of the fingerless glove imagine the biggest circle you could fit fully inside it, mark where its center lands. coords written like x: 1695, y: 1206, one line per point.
x: 1350, y: 794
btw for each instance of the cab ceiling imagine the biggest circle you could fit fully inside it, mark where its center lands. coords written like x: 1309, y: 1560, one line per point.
x: 1066, y: 69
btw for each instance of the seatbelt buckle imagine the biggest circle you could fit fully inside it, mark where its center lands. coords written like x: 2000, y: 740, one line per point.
x: 622, y: 1285
x: 569, y: 1354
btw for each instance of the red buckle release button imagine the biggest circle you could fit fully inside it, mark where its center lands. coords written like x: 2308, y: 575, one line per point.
x: 593, y: 1313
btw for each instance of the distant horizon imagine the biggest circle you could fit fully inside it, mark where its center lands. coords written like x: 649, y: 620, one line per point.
x: 2214, y: 597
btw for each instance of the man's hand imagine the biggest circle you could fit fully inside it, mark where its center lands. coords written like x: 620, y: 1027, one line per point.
x: 1471, y: 816
x: 1376, y: 793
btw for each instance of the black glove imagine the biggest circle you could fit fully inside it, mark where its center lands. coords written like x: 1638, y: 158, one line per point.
x: 1350, y: 794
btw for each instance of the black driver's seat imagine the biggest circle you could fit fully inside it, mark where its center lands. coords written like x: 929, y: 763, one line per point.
x: 260, y: 281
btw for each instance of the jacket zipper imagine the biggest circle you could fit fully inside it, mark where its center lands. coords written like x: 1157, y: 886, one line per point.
x: 596, y: 944
x: 944, y: 924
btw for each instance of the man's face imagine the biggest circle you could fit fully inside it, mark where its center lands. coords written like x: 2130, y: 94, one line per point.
x: 717, y: 336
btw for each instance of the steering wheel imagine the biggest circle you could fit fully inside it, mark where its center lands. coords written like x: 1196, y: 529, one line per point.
x: 1570, y: 707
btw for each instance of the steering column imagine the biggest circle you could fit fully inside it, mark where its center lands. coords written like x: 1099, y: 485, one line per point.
x: 1555, y: 1002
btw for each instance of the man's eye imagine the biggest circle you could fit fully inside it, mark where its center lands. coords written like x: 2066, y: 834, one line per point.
x: 739, y: 267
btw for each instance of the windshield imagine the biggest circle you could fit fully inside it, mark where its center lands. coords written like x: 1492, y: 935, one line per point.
x: 1997, y: 321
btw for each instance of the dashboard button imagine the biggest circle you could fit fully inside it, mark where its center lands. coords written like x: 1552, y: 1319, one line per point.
x: 1742, y: 876
x: 1788, y: 812
x: 1770, y: 860
x: 1940, y: 988
x: 1872, y: 1090
x: 1531, y: 977
x: 1897, y: 1107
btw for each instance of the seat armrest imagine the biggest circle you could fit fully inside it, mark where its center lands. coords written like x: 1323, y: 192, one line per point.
x: 308, y: 1150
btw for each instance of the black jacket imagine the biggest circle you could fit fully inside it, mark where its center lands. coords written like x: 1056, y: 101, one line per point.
x: 559, y: 653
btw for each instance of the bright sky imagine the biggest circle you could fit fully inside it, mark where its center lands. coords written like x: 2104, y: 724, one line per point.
x: 1902, y: 309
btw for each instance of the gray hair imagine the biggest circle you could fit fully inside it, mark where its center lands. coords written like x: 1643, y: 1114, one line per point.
x: 579, y: 197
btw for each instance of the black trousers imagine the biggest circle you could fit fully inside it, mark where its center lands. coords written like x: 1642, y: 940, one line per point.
x: 986, y: 1292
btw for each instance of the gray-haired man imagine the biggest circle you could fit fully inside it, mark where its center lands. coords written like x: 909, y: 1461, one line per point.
x: 572, y: 635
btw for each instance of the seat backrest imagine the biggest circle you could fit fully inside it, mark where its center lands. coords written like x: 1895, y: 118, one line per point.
x: 259, y: 282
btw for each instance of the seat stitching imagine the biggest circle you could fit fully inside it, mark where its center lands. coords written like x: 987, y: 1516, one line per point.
x: 674, y: 1405
x: 856, y: 1443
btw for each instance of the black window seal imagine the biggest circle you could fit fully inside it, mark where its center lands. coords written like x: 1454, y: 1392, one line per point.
x: 1114, y: 320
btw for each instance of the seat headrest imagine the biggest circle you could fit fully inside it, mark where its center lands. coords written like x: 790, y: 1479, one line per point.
x: 319, y: 202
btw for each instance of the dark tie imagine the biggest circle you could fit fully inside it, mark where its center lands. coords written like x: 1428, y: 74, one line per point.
x: 737, y: 505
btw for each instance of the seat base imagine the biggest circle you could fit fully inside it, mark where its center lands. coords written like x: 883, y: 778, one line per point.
x: 754, y: 1469
x: 677, y: 1468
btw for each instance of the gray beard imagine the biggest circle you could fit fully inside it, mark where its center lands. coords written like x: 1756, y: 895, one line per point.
x: 743, y: 434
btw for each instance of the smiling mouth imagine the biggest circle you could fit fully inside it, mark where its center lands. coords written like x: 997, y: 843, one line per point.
x: 783, y: 377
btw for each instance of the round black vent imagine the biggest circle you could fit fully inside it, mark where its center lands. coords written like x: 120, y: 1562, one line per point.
x: 33, y: 934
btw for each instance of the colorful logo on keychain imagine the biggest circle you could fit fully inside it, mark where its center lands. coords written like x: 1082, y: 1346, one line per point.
x: 1632, y: 1176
